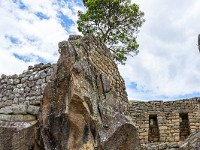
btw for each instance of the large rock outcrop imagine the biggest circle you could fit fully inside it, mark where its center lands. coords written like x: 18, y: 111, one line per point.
x: 84, y: 108
x: 192, y: 142
x: 20, y: 136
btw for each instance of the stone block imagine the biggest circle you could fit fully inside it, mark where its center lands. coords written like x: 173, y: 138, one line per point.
x: 175, y: 134
x: 29, y: 118
x: 37, y: 76
x: 144, y: 134
x: 171, y: 139
x: 162, y: 131
x: 17, y: 118
x: 176, y: 138
x: 6, y: 110
x: 16, y: 100
x: 162, y: 146
x: 33, y: 110
x: 173, y: 145
x: 39, y: 82
x: 153, y: 147
x: 144, y: 125
x: 4, y: 117
x: 161, y: 121
x: 162, y: 139
x: 163, y: 128
x: 19, y: 109
x: 175, y: 120
x: 4, y: 98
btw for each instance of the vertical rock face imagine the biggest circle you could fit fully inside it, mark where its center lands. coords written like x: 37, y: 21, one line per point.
x: 83, y: 108
x: 19, y: 136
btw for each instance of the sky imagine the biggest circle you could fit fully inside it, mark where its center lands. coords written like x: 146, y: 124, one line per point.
x: 166, y: 68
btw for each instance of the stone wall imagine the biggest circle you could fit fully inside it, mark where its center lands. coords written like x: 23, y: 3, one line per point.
x: 175, y: 120
x: 20, y: 95
x: 102, y: 89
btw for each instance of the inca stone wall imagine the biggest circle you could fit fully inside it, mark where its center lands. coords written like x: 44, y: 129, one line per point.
x: 166, y: 122
x: 98, y: 84
x: 20, y: 95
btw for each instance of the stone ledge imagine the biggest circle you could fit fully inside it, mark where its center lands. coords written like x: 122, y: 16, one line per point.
x: 19, y: 118
x: 20, y: 109
x: 18, y: 125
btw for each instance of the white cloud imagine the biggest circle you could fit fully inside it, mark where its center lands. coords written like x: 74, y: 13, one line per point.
x: 34, y: 37
x: 47, y: 7
x: 168, y: 63
x: 70, y: 9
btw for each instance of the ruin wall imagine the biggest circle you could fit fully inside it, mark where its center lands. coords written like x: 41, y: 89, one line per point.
x: 166, y: 122
x: 156, y: 121
x: 20, y: 95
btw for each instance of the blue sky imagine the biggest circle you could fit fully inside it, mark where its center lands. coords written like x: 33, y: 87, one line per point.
x: 167, y: 67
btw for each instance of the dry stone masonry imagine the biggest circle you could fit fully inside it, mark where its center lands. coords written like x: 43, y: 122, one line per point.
x: 166, y: 122
x: 20, y: 95
x: 78, y: 103
x: 81, y: 103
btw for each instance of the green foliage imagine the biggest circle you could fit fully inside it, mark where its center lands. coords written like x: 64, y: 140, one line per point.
x: 104, y: 93
x: 116, y: 22
x: 190, y: 136
x: 77, y: 45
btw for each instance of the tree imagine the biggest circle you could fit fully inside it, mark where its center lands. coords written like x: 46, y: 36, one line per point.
x: 116, y: 22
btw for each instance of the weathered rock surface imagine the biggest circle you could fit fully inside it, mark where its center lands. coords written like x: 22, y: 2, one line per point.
x: 192, y: 143
x: 19, y: 136
x: 81, y: 109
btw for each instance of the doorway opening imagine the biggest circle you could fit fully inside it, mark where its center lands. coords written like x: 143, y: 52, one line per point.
x: 184, y: 126
x: 153, y: 129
